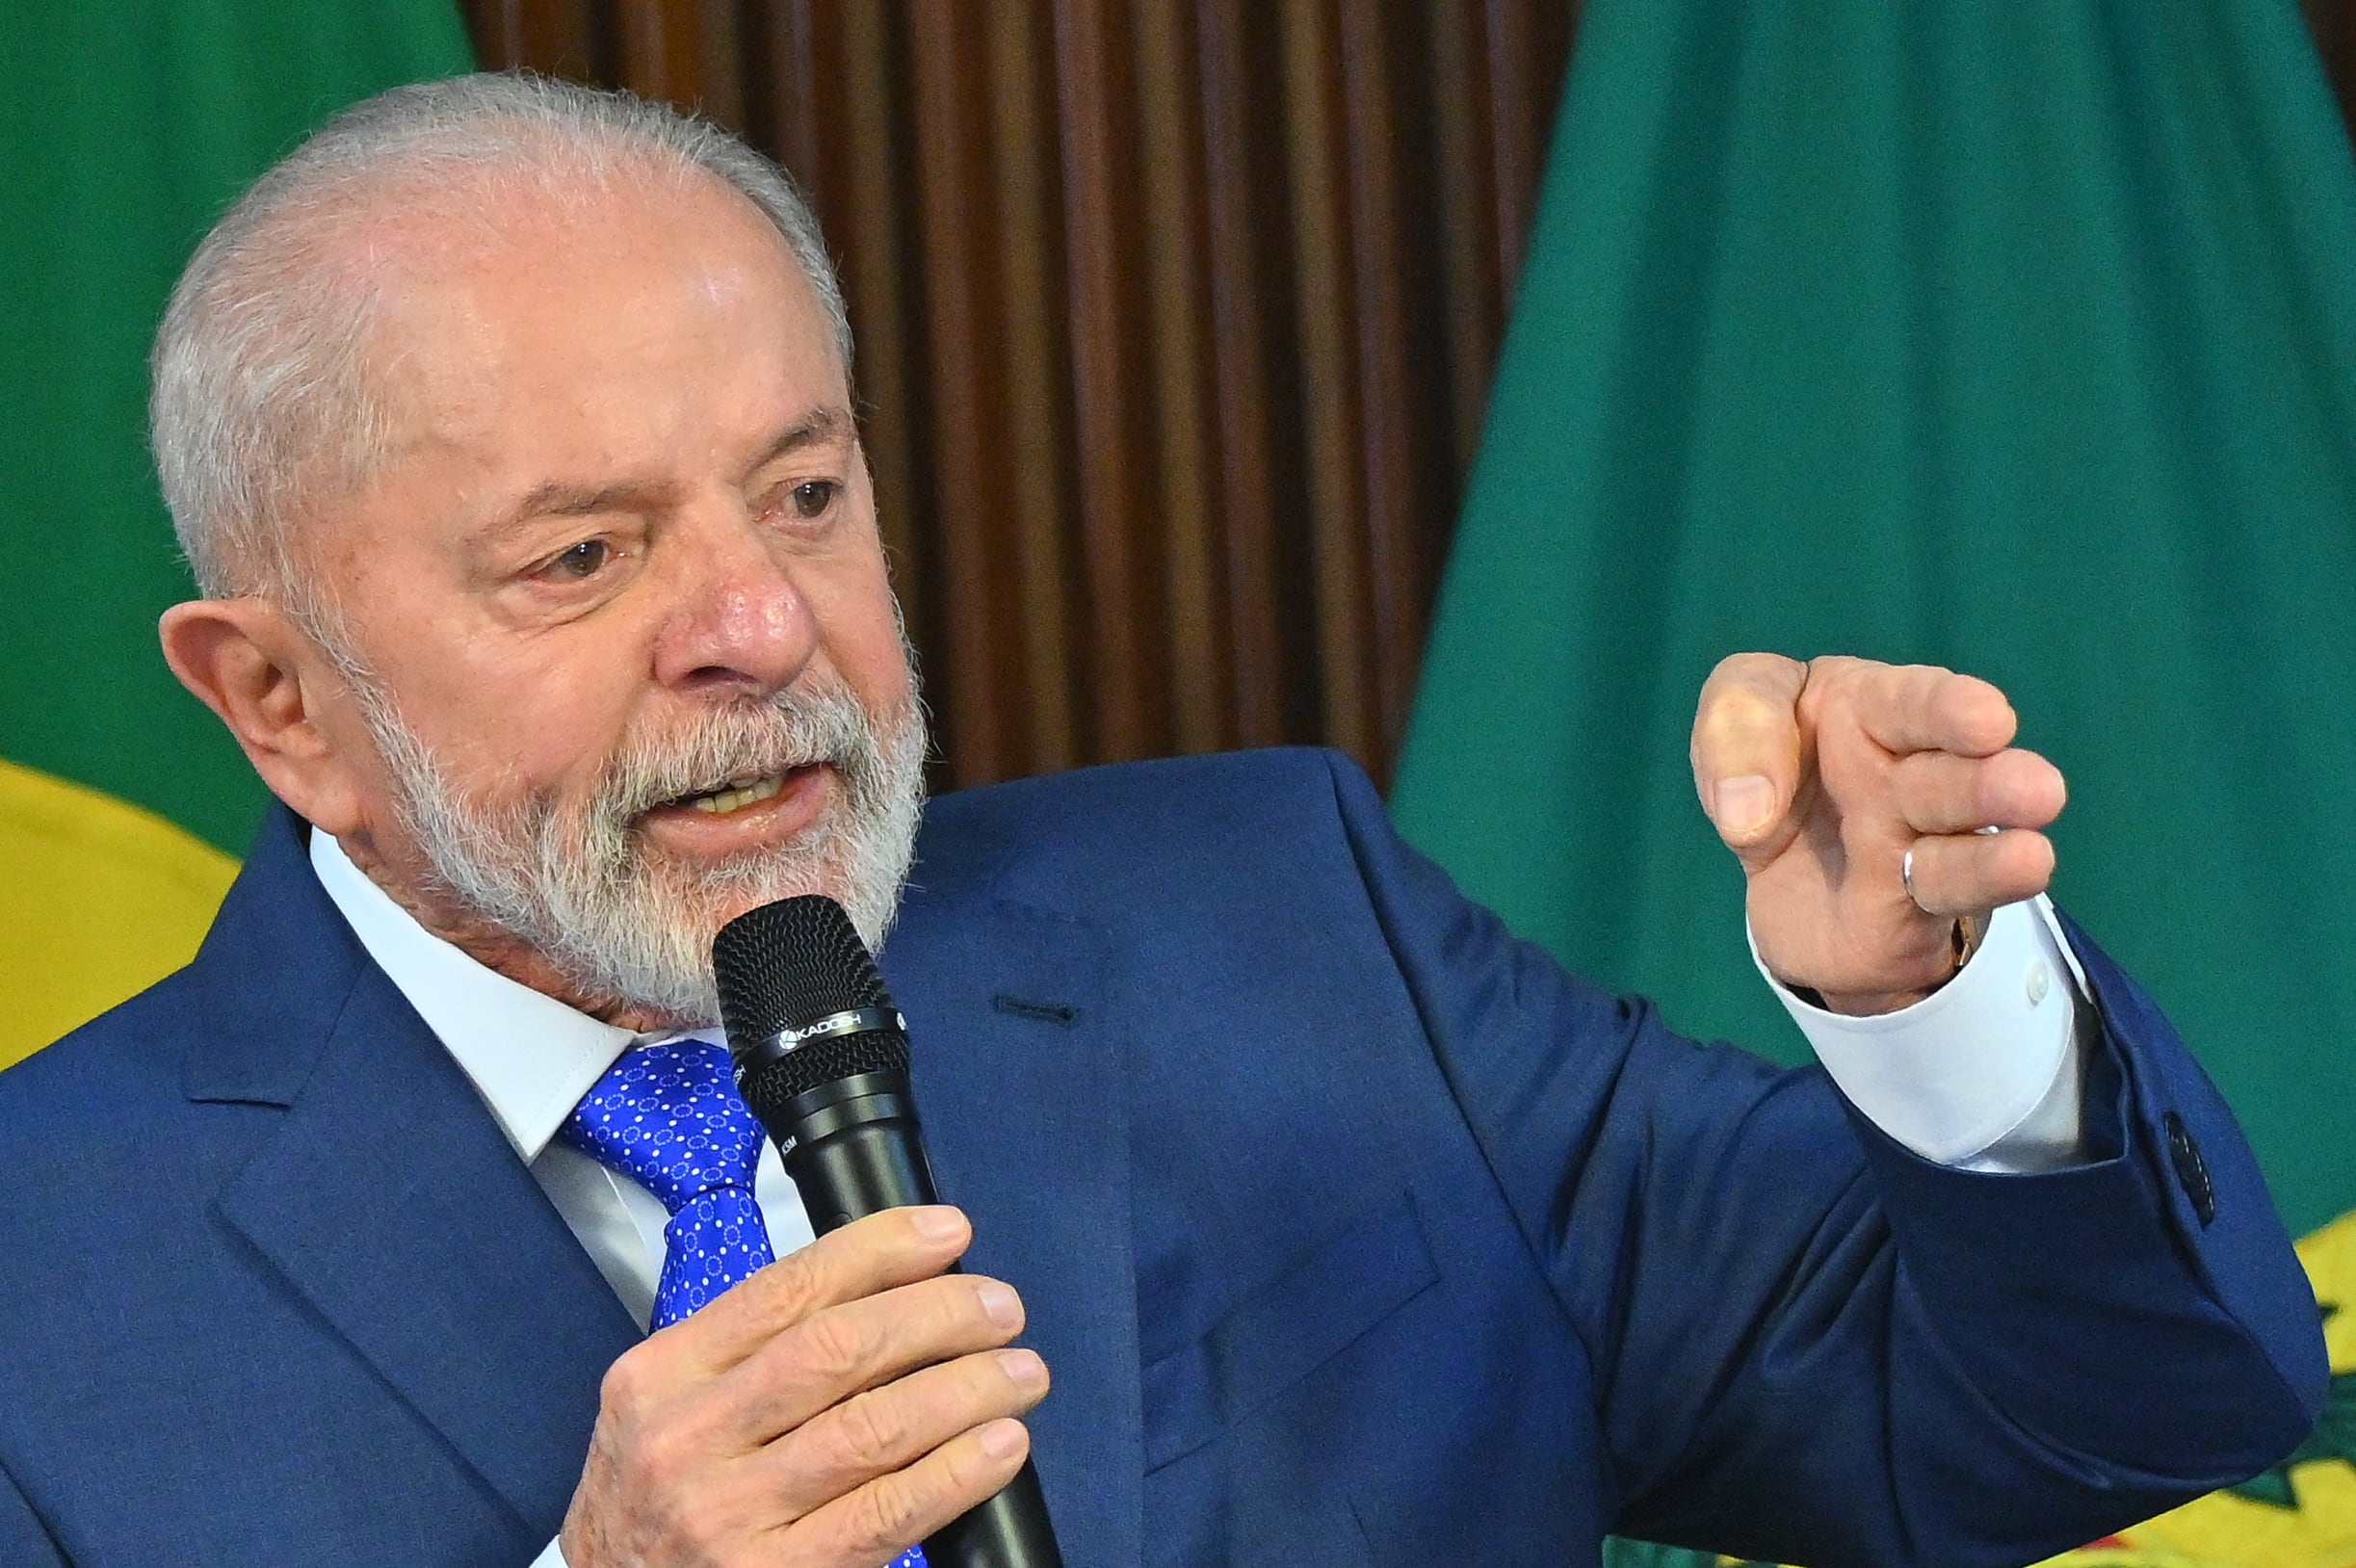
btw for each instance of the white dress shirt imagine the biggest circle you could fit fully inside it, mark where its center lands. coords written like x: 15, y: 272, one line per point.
x: 532, y: 1059
x: 1982, y: 1074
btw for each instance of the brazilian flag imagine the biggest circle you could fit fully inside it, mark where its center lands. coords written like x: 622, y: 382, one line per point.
x: 2018, y: 338
x: 126, y: 126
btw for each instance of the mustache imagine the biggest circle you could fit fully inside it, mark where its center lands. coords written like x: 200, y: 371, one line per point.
x: 787, y: 730
x: 569, y: 873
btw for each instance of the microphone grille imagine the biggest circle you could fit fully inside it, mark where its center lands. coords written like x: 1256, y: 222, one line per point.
x: 785, y: 966
x: 788, y: 964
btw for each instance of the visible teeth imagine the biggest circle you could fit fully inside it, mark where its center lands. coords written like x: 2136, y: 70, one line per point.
x: 736, y: 795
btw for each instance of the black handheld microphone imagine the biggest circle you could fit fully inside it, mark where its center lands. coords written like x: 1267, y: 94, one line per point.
x: 822, y: 1057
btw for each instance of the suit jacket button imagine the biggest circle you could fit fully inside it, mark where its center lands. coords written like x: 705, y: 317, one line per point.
x: 2191, y: 1170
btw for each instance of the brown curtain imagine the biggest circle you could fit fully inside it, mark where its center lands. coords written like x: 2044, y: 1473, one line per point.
x: 1176, y: 319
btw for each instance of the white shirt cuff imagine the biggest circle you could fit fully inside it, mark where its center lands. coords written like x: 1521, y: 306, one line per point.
x: 552, y: 1557
x: 1986, y: 1072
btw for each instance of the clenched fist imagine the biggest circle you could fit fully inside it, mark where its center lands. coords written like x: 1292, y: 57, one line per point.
x: 1824, y: 777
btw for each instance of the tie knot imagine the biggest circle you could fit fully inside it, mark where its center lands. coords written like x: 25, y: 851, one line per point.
x: 670, y: 1117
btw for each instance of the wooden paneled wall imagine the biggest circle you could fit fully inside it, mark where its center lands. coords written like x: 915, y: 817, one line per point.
x: 2332, y: 25
x: 1176, y: 319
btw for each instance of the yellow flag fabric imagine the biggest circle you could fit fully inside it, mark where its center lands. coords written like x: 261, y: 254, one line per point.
x: 99, y: 900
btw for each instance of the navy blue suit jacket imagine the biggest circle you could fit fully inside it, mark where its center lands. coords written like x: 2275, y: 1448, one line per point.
x: 1355, y: 1233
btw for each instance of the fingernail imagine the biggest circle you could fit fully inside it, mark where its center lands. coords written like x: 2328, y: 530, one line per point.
x: 999, y: 1302
x: 1742, y: 804
x: 1023, y: 1369
x: 937, y: 1222
x: 1001, y: 1439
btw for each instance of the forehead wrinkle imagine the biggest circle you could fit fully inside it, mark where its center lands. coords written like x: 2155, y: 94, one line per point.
x: 423, y: 267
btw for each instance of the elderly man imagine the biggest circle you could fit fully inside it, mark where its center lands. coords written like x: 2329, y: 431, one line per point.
x: 509, y: 431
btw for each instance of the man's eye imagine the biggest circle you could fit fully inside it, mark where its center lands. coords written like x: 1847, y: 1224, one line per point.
x: 813, y: 496
x: 583, y: 560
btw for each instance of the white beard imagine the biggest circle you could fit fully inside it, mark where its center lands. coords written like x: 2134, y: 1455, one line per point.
x: 577, y: 886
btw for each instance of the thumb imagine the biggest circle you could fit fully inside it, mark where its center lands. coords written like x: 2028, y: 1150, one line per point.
x: 1746, y: 752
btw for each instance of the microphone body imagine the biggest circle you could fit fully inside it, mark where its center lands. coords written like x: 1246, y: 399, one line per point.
x: 822, y: 1059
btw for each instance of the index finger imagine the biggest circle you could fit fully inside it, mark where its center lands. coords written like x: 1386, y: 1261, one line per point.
x: 867, y: 1257
x: 1911, y: 708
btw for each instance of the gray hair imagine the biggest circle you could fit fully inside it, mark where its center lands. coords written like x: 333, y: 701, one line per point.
x: 261, y: 398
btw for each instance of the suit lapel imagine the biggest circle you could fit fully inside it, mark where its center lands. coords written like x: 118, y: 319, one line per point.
x: 387, y: 1186
x: 1022, y: 1089
x: 388, y: 1200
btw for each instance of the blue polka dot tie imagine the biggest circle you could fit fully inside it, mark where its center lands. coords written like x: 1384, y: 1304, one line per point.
x: 670, y: 1119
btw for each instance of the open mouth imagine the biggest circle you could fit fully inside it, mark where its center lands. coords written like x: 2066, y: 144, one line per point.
x: 734, y: 794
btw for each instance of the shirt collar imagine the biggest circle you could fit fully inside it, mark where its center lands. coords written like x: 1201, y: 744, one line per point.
x: 530, y: 1055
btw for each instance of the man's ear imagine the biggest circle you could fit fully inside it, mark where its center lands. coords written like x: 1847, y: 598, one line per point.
x: 246, y: 661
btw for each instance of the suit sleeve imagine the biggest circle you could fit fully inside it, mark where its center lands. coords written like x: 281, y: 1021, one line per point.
x: 1812, y: 1346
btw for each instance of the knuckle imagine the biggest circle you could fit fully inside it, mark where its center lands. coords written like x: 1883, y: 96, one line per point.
x: 664, y: 1458
x: 885, y: 1510
x: 790, y: 1288
x: 873, y: 1434
x: 836, y: 1347
x: 944, y: 1308
x: 1842, y: 666
x: 628, y: 1384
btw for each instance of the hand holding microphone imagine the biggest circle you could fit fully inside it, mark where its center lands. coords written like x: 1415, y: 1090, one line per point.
x: 854, y: 1398
x: 839, y: 1405
x: 822, y: 1057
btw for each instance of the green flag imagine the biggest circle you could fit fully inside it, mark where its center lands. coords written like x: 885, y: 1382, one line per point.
x: 2015, y: 338
x: 126, y: 127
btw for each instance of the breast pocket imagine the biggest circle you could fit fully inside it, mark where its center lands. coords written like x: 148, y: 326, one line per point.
x: 1286, y: 1330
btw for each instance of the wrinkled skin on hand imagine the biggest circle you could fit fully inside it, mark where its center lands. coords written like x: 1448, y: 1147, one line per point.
x: 832, y: 1410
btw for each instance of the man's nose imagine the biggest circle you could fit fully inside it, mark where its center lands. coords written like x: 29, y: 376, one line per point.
x: 740, y: 618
